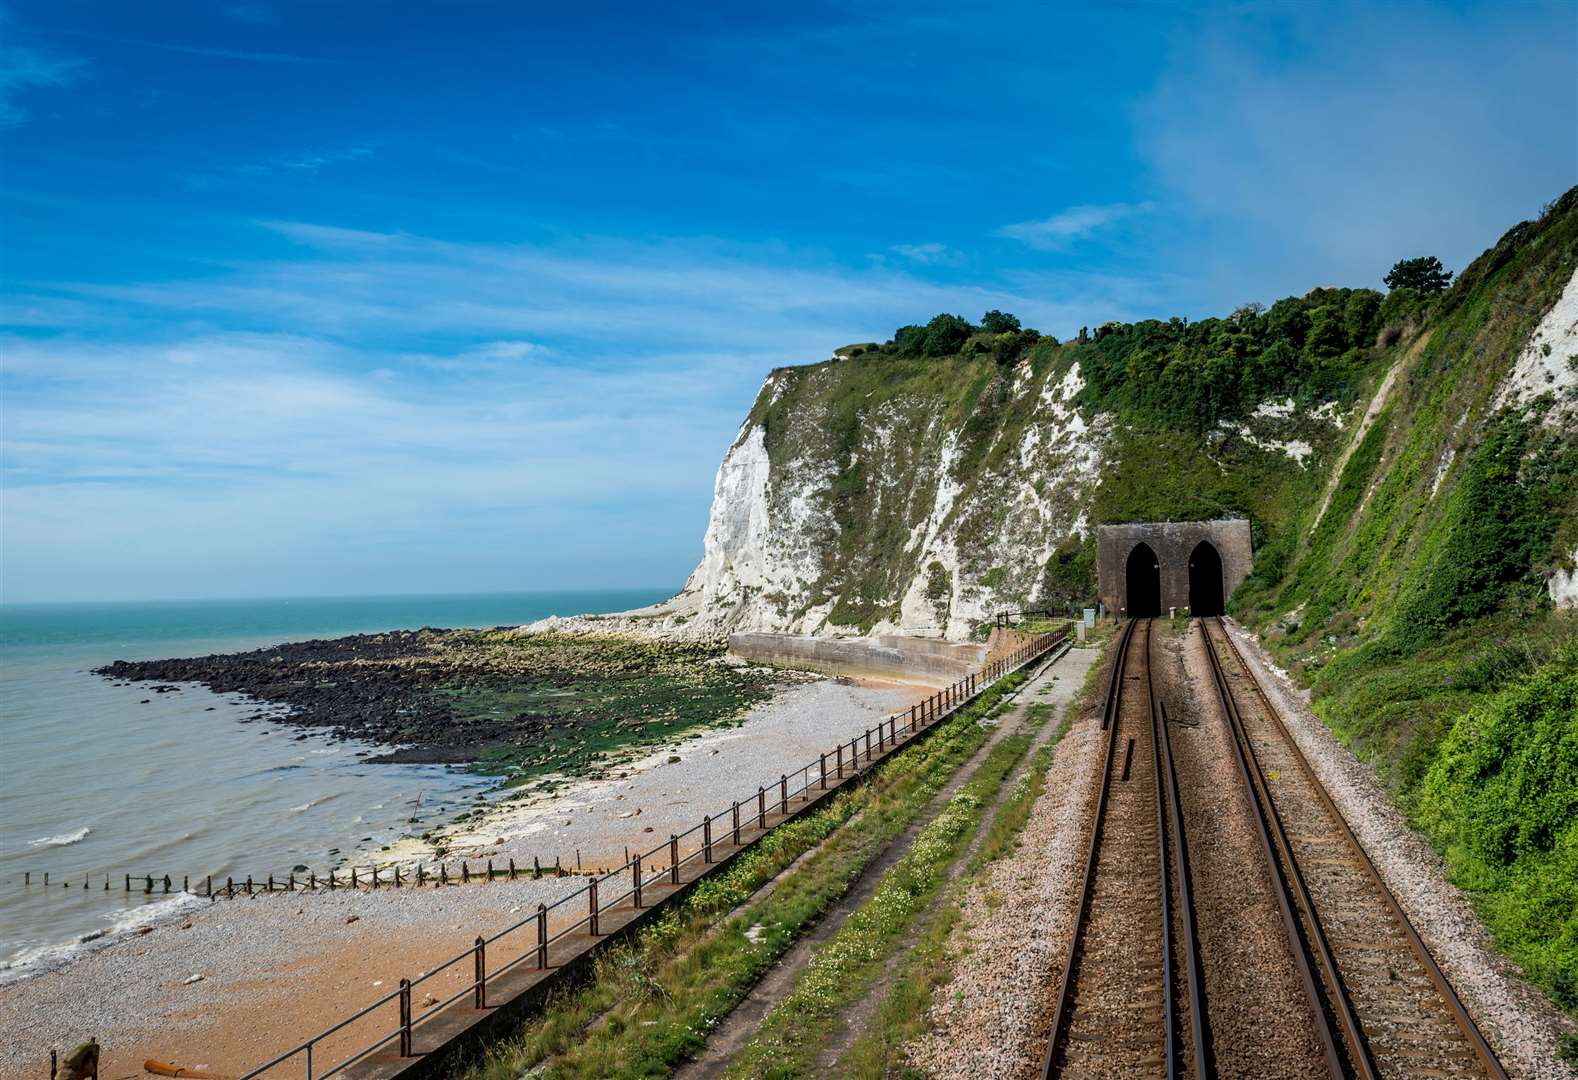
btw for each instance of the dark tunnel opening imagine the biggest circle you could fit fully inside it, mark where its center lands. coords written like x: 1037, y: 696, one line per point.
x: 1205, y: 580
x: 1144, y: 584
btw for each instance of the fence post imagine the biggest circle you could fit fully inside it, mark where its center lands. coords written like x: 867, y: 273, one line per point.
x: 840, y: 750
x: 868, y: 744
x: 706, y: 838
x: 673, y: 859
x: 635, y: 873
x: 854, y: 755
x: 405, y: 1018
x: 761, y: 808
x: 542, y: 937
x: 824, y: 772
x: 353, y: 880
x: 737, y: 822
x: 783, y: 794
x: 591, y: 902
x: 480, y: 961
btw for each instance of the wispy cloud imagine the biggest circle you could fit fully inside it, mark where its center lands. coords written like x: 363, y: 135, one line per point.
x: 932, y: 254
x: 27, y: 67
x: 432, y: 396
x: 303, y: 162
x: 1063, y: 229
x: 257, y: 14
x: 251, y: 56
x: 1328, y: 140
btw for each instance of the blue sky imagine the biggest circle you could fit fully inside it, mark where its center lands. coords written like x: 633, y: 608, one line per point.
x: 358, y: 298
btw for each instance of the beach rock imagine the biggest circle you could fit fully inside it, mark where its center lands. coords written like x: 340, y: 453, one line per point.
x: 190, y: 979
x: 352, y: 918
x: 81, y: 1064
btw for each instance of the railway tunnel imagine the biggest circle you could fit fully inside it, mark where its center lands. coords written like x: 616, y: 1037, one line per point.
x: 1143, y: 582
x: 1205, y: 580
x: 1196, y: 565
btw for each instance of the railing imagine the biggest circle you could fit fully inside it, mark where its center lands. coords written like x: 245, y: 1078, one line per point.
x: 757, y: 807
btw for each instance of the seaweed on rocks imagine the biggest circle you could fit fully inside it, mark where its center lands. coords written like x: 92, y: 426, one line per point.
x: 508, y: 702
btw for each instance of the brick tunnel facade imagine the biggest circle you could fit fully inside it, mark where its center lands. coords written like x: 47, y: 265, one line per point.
x: 1163, y: 564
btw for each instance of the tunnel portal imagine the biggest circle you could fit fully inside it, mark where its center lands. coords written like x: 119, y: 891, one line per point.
x: 1198, y: 564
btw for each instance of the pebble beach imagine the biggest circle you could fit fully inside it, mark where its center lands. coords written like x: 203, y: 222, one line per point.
x: 224, y: 986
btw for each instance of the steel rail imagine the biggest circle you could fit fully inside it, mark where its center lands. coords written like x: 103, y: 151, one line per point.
x: 1062, y: 1008
x: 1438, y: 978
x: 1109, y: 724
x: 1169, y: 1006
x: 1204, y: 1064
x: 1267, y: 826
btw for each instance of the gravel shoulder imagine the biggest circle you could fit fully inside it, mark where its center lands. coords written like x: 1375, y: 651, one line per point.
x: 737, y: 1030
x: 276, y: 967
x: 990, y: 1018
x: 1521, y: 1025
x: 1056, y: 686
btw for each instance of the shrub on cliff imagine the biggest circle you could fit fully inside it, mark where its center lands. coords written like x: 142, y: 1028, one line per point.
x: 1502, y: 801
x: 945, y: 335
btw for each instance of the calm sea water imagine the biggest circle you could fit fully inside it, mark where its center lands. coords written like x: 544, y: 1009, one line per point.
x: 99, y: 781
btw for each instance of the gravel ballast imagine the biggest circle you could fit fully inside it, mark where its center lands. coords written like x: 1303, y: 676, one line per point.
x: 1521, y: 1025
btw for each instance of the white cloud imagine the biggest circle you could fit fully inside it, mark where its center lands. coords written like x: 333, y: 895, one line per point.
x: 929, y: 254
x: 1063, y: 229
x: 1319, y: 143
x: 442, y: 415
x: 24, y: 68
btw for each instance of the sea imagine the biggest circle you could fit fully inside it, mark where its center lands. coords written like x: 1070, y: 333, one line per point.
x: 99, y: 781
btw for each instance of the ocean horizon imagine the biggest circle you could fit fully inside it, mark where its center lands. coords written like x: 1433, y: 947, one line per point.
x: 106, y: 780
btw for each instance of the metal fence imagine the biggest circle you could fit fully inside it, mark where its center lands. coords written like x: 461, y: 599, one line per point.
x: 740, y: 818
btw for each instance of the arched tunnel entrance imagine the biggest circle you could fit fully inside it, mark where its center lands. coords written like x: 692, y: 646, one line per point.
x: 1144, y: 582
x: 1205, y: 580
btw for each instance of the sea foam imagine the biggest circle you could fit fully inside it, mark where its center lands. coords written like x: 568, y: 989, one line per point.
x: 62, y: 840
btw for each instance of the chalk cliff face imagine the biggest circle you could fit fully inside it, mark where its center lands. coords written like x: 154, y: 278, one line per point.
x: 869, y: 496
x: 783, y: 550
x: 883, y: 491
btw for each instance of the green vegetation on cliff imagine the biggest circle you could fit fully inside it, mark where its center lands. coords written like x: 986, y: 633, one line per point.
x: 1406, y: 518
x: 1416, y: 606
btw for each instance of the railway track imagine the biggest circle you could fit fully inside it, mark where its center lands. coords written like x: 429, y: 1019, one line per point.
x: 1384, y: 1007
x: 1129, y: 1001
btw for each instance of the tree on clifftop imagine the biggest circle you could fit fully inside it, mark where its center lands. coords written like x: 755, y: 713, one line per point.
x: 999, y: 322
x: 1425, y: 274
x: 945, y: 334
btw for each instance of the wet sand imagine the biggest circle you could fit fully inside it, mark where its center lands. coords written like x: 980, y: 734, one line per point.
x: 277, y: 967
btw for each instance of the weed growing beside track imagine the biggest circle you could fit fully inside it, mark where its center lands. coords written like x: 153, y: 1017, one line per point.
x: 795, y: 1031
x: 650, y: 1005
x: 902, y: 1014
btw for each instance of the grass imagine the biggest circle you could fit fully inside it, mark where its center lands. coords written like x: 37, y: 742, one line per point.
x: 901, y: 1017
x: 793, y: 1033
x: 650, y: 1004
